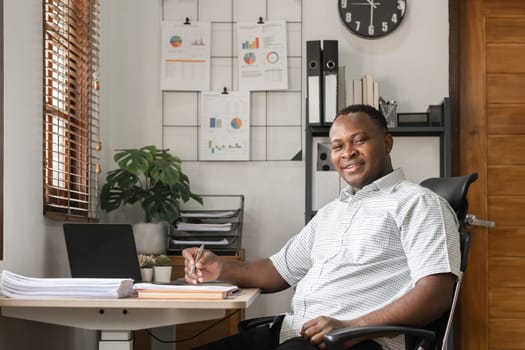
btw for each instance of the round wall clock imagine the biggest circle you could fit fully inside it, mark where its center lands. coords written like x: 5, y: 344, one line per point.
x: 372, y: 19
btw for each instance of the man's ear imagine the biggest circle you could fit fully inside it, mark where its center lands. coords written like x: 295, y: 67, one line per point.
x: 389, y: 142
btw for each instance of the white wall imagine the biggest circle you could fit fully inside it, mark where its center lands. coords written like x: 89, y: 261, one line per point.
x: 411, y: 64
x: 33, y: 245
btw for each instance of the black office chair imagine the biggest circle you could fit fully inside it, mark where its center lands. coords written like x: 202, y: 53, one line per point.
x: 434, y: 336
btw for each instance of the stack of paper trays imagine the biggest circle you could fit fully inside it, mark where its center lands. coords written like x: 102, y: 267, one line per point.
x: 17, y: 286
x: 186, y: 226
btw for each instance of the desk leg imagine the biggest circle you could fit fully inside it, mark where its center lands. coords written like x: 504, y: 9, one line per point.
x: 115, y: 340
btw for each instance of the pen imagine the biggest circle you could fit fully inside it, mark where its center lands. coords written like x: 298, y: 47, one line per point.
x: 197, y: 257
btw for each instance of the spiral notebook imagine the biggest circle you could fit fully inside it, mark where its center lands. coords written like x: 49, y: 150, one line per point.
x: 102, y: 251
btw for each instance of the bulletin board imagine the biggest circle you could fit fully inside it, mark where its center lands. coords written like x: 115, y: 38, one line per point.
x: 276, y: 132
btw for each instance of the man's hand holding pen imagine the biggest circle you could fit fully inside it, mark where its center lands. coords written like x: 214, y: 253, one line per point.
x: 197, y: 258
x: 200, y: 265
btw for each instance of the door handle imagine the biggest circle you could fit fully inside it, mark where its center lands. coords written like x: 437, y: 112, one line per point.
x: 472, y: 220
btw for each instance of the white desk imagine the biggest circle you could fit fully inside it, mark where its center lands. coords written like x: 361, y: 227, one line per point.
x: 116, y: 318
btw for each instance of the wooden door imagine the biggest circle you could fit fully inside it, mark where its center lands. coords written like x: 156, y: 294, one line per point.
x: 492, y: 142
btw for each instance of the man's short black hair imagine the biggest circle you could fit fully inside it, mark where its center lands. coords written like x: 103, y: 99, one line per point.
x: 372, y: 112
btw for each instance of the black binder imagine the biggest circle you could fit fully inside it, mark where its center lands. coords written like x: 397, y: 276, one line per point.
x: 314, y: 88
x: 330, y: 80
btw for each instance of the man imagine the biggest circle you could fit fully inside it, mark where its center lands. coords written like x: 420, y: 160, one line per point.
x: 385, y: 252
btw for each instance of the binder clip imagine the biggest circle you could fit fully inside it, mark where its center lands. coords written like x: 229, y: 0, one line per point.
x: 224, y: 91
x: 187, y: 21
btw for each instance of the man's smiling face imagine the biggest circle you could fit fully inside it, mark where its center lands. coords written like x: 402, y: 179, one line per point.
x: 360, y: 149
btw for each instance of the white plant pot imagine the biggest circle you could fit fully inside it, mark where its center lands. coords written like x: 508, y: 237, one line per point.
x: 162, y: 274
x: 146, y: 274
x: 151, y: 238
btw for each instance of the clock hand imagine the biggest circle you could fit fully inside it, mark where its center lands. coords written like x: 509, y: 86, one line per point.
x: 372, y: 7
x: 372, y: 4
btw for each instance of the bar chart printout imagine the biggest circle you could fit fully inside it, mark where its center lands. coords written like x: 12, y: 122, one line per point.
x: 262, y: 60
x: 225, y: 126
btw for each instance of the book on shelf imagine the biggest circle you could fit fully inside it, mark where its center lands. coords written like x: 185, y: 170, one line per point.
x: 349, y: 92
x: 368, y: 89
x: 358, y: 91
x: 375, y: 96
x: 208, y: 291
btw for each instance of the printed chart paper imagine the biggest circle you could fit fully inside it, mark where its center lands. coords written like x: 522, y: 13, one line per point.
x: 185, y: 56
x: 225, y: 126
x: 263, y: 64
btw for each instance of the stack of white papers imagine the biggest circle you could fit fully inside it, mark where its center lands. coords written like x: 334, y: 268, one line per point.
x: 223, y: 241
x: 185, y: 226
x: 17, y: 286
x: 208, y: 214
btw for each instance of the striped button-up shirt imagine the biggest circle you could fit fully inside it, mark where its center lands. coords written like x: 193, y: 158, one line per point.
x: 366, y: 249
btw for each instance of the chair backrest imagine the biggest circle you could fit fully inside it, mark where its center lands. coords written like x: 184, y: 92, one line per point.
x: 454, y: 189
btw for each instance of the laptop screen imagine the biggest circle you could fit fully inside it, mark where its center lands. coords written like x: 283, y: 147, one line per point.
x: 102, y: 251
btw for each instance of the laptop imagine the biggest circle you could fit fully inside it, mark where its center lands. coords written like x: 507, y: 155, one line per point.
x: 102, y: 251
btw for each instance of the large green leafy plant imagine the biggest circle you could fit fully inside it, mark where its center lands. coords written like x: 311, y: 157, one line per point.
x: 152, y: 177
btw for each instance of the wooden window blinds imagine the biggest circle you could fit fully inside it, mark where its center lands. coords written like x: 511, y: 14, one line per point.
x: 71, y: 109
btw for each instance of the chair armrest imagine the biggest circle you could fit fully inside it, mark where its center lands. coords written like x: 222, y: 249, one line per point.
x: 255, y: 322
x: 336, y: 338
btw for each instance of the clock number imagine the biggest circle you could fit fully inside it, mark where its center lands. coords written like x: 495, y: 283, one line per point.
x: 384, y: 26
x: 344, y: 4
x: 348, y: 17
x: 357, y: 25
x: 371, y: 29
x: 394, y: 17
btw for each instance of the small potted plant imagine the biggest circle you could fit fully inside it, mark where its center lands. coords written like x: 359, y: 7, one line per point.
x: 146, y: 263
x: 154, y: 179
x: 162, y: 269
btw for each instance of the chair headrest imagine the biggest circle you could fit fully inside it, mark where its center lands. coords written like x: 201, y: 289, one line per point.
x: 454, y: 189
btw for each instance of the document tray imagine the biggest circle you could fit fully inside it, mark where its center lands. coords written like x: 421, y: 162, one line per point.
x: 218, y: 226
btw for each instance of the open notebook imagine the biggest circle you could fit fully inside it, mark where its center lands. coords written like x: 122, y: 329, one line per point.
x: 102, y: 251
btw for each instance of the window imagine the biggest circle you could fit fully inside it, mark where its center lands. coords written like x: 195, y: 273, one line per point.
x: 71, y: 109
